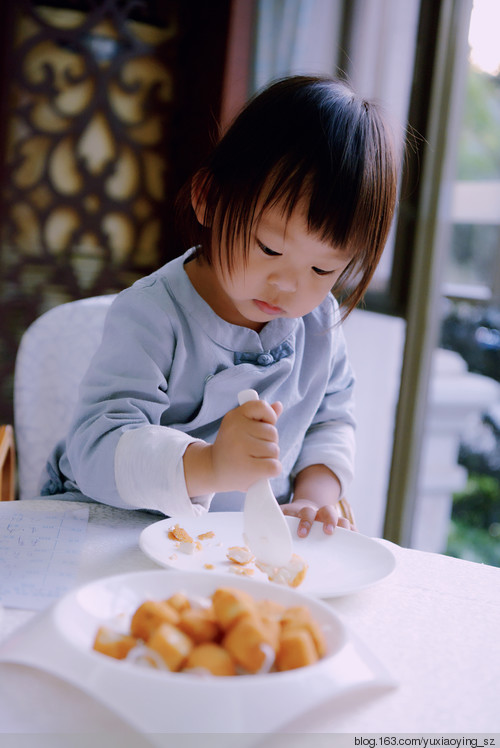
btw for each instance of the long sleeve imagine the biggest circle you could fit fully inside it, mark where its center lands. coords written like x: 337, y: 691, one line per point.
x: 122, y: 401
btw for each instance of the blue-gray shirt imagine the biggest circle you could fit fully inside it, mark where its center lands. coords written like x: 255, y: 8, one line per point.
x: 167, y: 371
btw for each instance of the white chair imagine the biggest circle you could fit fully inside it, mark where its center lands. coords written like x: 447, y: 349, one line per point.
x: 53, y: 356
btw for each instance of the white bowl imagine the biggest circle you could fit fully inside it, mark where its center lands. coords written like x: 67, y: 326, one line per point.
x: 158, y: 701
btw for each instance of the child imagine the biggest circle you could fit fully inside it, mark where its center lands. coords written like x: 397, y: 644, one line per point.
x: 296, y: 199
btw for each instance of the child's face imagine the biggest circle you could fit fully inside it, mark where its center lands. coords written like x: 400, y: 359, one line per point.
x: 289, y: 273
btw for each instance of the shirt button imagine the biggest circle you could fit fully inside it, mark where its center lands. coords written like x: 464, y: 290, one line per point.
x: 265, y: 359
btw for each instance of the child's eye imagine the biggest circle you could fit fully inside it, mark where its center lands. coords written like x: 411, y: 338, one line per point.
x: 318, y: 271
x: 267, y: 251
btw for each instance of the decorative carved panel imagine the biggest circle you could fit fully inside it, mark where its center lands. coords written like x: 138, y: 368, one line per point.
x: 90, y: 95
x: 106, y: 106
x: 87, y: 171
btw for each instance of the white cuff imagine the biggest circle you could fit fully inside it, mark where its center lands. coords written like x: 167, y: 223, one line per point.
x: 149, y: 471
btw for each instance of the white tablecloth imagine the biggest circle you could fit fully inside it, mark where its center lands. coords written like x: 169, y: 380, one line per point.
x: 434, y: 623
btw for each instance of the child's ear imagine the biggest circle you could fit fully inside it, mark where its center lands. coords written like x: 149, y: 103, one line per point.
x: 199, y: 186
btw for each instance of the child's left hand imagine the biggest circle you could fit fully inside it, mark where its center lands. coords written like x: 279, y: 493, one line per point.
x: 316, y: 493
x: 308, y: 512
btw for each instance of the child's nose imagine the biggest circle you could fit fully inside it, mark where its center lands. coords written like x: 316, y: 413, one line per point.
x: 287, y: 282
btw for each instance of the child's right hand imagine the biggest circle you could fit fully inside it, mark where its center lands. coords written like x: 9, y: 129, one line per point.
x: 245, y: 450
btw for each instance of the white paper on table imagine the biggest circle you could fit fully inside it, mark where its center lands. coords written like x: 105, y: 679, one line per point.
x: 39, y: 553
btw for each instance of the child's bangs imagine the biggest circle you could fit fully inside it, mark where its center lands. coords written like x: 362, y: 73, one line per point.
x: 291, y: 189
x: 333, y: 212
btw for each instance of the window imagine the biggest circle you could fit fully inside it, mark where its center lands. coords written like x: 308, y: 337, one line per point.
x: 471, y: 322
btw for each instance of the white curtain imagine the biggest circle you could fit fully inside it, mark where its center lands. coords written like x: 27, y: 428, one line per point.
x: 381, y: 48
x: 304, y: 36
x: 295, y: 36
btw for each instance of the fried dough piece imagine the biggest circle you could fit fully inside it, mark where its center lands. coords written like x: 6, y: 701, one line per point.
x: 199, y: 624
x: 240, y: 555
x: 250, y: 644
x: 179, y: 601
x: 179, y: 533
x: 299, y: 617
x: 211, y: 657
x: 231, y: 604
x: 149, y: 616
x: 112, y: 643
x: 171, y: 644
x: 296, y: 650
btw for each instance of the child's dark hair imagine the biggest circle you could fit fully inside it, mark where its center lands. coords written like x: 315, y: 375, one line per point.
x: 307, y: 142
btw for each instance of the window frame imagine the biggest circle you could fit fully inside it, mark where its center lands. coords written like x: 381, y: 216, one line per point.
x: 422, y: 234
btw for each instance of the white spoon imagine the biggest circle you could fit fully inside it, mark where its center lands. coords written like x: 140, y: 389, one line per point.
x: 265, y: 528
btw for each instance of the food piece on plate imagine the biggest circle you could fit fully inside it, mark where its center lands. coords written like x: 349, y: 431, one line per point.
x: 297, y: 568
x: 208, y: 566
x: 211, y: 657
x: 206, y: 535
x: 199, y: 624
x: 112, y: 643
x: 296, y: 650
x: 173, y: 645
x: 189, y: 547
x: 244, y: 571
x: 179, y: 601
x: 185, y: 542
x: 231, y: 604
x: 149, y: 616
x: 178, y: 533
x: 240, y: 554
x: 299, y: 617
x: 293, y: 574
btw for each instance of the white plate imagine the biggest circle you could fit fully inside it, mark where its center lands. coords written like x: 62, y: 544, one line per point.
x: 60, y: 642
x: 339, y: 564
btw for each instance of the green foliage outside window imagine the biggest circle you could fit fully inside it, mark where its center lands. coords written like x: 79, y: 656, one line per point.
x: 475, y: 524
x: 479, y: 146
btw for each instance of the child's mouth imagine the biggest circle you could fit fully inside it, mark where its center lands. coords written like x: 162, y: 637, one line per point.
x: 268, y: 308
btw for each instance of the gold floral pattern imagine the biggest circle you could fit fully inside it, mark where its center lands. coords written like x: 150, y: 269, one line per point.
x: 87, y: 163
x: 87, y: 168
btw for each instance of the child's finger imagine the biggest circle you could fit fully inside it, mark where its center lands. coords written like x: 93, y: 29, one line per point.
x: 329, y: 516
x: 306, y: 513
x: 343, y: 522
x: 259, y: 410
x: 261, y: 431
x: 261, y: 447
x: 278, y: 408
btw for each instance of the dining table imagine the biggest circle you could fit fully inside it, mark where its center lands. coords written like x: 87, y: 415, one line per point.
x: 433, y: 624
